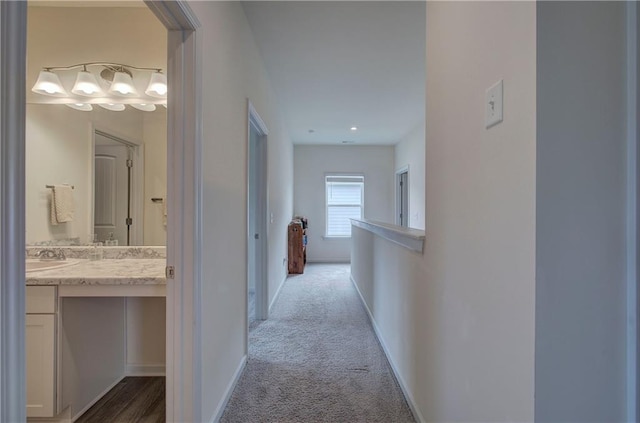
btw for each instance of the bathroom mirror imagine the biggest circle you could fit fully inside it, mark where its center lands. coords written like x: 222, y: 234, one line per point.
x: 91, y: 151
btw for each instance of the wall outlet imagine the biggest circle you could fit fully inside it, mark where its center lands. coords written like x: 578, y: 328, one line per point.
x: 493, y: 105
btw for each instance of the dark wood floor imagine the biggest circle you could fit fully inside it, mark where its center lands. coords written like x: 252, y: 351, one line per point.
x: 133, y: 400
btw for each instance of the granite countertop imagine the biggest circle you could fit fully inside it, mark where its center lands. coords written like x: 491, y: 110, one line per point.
x: 102, y: 272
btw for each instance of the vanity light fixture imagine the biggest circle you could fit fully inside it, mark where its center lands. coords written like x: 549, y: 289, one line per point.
x: 114, y: 107
x: 144, y: 107
x: 109, y: 85
x: 86, y: 84
x: 157, y: 85
x: 80, y: 106
x: 48, y: 83
x: 122, y: 85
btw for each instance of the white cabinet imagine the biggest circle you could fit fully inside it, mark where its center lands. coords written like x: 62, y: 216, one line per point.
x: 41, y: 352
x: 40, y: 340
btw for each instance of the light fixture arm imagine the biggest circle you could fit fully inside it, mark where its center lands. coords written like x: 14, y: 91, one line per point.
x: 111, y: 64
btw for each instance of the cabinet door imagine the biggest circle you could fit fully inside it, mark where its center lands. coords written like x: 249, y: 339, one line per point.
x: 40, y: 347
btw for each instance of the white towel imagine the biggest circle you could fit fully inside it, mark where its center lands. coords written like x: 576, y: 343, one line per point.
x: 62, y: 207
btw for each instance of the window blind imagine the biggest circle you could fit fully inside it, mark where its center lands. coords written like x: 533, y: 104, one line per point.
x: 344, y: 202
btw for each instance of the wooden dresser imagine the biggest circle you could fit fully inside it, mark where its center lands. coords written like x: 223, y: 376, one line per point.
x: 297, y: 236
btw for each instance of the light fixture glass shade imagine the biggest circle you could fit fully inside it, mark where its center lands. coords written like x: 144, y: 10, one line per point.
x: 80, y: 106
x: 157, y: 85
x: 86, y: 84
x: 122, y: 85
x: 144, y: 107
x: 48, y: 83
x: 112, y: 106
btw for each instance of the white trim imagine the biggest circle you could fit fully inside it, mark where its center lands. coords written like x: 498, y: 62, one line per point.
x: 275, y: 297
x: 184, y: 209
x: 13, y: 38
x: 410, y: 238
x: 405, y: 390
x: 63, y: 417
x: 632, y: 350
x: 255, y: 118
x: 96, y: 399
x: 217, y: 415
x: 158, y: 369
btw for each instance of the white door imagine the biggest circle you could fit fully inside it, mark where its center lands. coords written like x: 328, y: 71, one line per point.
x: 40, y: 364
x: 112, y: 190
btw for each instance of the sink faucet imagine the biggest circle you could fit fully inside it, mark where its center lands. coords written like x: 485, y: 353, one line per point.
x: 50, y: 254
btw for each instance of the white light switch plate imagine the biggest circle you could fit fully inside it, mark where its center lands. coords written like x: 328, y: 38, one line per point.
x: 493, y: 105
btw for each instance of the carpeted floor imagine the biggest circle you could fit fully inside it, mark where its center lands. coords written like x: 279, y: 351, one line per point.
x: 317, y: 359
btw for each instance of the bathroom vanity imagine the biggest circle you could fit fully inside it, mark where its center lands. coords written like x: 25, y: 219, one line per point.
x: 76, y: 333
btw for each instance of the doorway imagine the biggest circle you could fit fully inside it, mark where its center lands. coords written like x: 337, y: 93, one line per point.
x: 257, y: 272
x: 402, y: 197
x: 117, y: 180
x: 183, y: 228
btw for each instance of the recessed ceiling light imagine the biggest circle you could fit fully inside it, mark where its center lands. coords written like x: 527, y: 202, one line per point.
x: 354, y: 128
x: 348, y: 142
x: 311, y: 131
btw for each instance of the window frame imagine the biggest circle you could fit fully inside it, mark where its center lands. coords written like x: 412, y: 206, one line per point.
x: 341, y: 178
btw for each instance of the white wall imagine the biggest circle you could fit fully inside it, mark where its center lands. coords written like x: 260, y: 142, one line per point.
x: 480, y: 213
x: 409, y: 151
x: 458, y: 321
x: 233, y: 72
x: 312, y: 163
x: 154, y: 132
x: 580, y: 225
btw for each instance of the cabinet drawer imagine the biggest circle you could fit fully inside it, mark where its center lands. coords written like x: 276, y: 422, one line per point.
x: 41, y: 299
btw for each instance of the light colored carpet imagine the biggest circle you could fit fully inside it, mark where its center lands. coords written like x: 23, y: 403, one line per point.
x: 317, y: 359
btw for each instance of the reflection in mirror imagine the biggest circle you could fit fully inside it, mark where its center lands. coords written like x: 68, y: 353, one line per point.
x: 114, y: 181
x: 60, y: 150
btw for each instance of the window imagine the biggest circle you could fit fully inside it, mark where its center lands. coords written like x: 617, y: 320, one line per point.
x: 345, y: 196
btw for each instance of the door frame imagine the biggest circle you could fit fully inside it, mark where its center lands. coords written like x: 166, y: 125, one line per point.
x: 262, y: 220
x: 633, y: 207
x: 137, y: 186
x: 398, y: 175
x: 13, y: 42
x: 184, y: 209
x: 183, y: 200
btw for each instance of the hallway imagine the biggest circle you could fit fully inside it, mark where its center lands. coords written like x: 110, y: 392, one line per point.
x: 317, y: 359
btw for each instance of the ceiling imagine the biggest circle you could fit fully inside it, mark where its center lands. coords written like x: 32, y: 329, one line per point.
x: 334, y: 65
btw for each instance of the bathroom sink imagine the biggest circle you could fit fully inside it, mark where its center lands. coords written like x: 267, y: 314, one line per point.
x: 38, y: 265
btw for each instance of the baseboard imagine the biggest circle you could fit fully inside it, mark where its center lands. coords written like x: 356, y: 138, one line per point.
x: 96, y: 399
x: 407, y: 394
x: 159, y: 369
x: 63, y: 417
x: 275, y: 297
x: 330, y: 261
x: 217, y: 415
